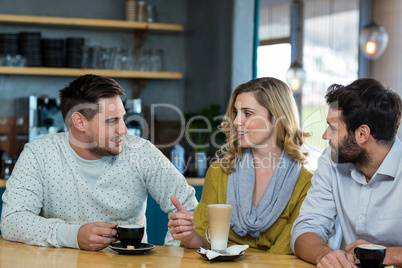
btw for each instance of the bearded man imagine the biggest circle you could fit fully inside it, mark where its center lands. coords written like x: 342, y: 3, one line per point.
x: 358, y: 180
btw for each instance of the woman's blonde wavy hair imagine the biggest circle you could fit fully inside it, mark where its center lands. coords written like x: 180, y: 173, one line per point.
x: 277, y: 98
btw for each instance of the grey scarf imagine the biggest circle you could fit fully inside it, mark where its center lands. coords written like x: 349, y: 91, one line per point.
x: 252, y: 220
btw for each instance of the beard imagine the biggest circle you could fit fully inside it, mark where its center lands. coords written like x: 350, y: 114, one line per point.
x: 349, y: 151
x: 97, y: 150
x: 102, y: 151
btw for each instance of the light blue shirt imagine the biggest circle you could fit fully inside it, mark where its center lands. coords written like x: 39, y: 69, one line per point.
x: 371, y: 211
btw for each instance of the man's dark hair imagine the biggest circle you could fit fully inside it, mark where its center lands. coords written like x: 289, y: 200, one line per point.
x: 367, y: 101
x: 84, y: 93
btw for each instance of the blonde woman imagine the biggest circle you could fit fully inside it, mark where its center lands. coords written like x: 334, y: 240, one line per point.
x: 259, y: 172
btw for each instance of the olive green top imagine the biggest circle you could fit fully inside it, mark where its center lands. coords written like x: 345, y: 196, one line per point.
x: 276, y: 239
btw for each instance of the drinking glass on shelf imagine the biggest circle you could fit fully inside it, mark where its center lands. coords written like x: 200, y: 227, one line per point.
x: 151, y: 13
x: 114, y: 59
x: 141, y: 11
x: 20, y: 61
x: 130, y: 59
x: 145, y: 60
x: 13, y: 60
x: 124, y: 58
x: 95, y: 57
x: 9, y: 60
x: 91, y: 57
x: 156, y: 60
x: 135, y: 63
x: 85, y: 57
x: 119, y: 58
x: 106, y: 55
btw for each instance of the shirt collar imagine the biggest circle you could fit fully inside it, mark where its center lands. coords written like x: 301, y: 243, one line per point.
x: 390, y: 164
x: 388, y: 167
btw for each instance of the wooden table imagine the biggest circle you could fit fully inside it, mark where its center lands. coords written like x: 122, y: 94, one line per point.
x: 17, y: 255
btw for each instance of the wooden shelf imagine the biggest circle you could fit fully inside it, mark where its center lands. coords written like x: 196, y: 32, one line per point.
x: 78, y: 72
x: 90, y: 23
x: 94, y: 24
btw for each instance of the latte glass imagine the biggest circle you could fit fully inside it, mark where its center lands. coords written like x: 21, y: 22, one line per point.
x: 219, y: 216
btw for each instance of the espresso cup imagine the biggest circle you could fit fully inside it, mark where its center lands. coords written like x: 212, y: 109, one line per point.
x: 219, y: 216
x: 130, y: 235
x: 370, y: 256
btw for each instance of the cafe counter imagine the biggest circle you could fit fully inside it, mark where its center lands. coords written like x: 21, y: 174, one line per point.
x: 16, y: 255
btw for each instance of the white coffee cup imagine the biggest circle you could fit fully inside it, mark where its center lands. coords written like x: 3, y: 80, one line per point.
x: 219, y: 216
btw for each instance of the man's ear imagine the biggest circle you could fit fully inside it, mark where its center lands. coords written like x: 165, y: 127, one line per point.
x: 78, y: 121
x: 362, y: 134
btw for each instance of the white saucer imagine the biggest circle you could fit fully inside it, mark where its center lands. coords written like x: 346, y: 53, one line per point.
x: 141, y: 250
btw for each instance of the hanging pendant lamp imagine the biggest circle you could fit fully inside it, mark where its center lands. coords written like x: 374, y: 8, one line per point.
x: 296, y: 76
x: 373, y: 40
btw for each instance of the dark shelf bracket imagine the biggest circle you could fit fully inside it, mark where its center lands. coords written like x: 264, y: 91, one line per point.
x: 137, y: 85
x: 139, y: 38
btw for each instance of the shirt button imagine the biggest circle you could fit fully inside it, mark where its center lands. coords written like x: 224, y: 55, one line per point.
x: 361, y: 216
x: 366, y: 187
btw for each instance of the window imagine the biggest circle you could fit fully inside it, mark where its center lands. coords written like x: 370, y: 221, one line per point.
x: 273, y: 60
x: 273, y: 53
x: 330, y: 55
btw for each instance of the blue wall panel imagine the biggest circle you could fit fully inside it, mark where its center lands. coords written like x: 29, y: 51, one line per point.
x: 157, y: 220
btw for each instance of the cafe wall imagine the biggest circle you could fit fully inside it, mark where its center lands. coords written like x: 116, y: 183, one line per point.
x: 203, y: 51
x: 172, y: 11
x: 388, y: 67
x: 219, y: 50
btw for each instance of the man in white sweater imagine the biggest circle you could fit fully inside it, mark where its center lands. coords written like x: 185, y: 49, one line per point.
x: 72, y: 189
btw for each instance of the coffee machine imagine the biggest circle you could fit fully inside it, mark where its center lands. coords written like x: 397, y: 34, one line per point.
x: 35, y: 117
x: 134, y: 117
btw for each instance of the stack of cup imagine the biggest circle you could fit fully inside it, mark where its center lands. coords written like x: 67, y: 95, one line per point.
x: 131, y: 10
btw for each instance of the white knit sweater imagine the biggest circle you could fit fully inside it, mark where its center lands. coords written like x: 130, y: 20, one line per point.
x: 48, y: 197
